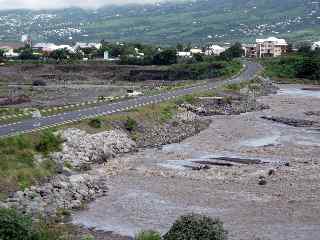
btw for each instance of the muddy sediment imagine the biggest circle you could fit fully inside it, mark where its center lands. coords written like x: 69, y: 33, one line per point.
x: 277, y: 198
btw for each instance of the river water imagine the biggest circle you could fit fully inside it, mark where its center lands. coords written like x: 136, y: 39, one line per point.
x: 151, y: 188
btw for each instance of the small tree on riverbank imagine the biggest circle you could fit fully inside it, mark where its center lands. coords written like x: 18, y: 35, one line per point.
x: 196, y: 227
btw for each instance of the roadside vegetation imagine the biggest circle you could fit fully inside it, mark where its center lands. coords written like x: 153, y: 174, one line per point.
x: 20, y: 167
x: 131, y: 120
x: 208, y: 67
x: 300, y: 67
x: 16, y: 226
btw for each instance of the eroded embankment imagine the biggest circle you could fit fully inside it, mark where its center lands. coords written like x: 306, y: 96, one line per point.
x: 76, y: 185
x: 260, y: 177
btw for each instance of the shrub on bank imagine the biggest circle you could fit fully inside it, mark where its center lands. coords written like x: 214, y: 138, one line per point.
x: 130, y: 124
x: 294, y: 66
x: 49, y: 142
x: 148, y: 235
x: 18, y: 167
x: 14, y: 226
x: 196, y: 227
x: 95, y: 123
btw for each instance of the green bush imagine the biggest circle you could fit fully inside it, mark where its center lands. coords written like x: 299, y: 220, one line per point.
x: 95, y: 123
x: 148, y: 235
x: 88, y: 237
x: 14, y: 226
x: 294, y: 66
x: 49, y: 142
x: 18, y: 168
x: 130, y: 124
x: 166, y: 113
x: 196, y: 227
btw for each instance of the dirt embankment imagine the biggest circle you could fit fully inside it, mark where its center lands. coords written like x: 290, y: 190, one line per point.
x: 93, y: 73
x: 56, y: 73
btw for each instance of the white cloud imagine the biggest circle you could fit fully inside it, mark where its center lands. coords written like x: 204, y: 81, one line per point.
x: 44, y: 4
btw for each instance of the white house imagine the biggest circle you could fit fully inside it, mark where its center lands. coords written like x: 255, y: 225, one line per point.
x: 10, y: 46
x: 184, y: 54
x: 80, y: 45
x: 315, y: 45
x: 196, y: 51
x: 215, y: 50
x: 11, y: 54
x: 50, y: 47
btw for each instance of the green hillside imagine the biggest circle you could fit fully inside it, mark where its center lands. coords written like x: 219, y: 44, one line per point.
x: 168, y: 23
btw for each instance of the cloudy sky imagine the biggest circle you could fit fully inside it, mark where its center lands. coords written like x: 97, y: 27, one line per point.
x: 43, y: 4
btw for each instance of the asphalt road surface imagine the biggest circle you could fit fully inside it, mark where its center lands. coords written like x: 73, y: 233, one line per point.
x: 111, y: 108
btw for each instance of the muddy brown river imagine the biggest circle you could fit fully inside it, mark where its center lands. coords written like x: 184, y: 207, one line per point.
x: 151, y: 188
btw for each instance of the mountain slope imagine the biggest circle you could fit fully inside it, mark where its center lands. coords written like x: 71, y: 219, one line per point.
x: 169, y: 23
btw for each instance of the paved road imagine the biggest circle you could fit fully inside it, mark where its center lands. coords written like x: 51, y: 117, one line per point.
x: 68, y: 117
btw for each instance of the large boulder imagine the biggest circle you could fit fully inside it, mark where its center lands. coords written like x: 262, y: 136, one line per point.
x: 81, y: 148
x: 60, y: 193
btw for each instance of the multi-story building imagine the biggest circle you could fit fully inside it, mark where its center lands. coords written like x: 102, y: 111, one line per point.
x: 271, y: 47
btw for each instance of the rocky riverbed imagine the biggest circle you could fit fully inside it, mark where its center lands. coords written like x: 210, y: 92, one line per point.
x: 276, y: 197
x: 251, y: 162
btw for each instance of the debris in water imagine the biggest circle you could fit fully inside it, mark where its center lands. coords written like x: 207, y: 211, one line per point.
x: 291, y: 121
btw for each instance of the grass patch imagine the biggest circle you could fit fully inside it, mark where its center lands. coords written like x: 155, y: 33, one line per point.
x: 15, y: 226
x: 130, y: 124
x: 253, y: 84
x: 294, y: 68
x: 48, y: 142
x: 148, y: 235
x: 18, y: 167
x: 95, y: 123
x: 205, y: 70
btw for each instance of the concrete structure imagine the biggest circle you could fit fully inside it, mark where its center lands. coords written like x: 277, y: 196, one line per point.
x: 184, y: 54
x: 106, y: 55
x: 9, y: 49
x: 11, y: 54
x: 196, y: 51
x: 315, y: 45
x: 271, y: 47
x: 214, y: 50
x: 250, y: 50
x: 80, y: 45
x: 50, y: 47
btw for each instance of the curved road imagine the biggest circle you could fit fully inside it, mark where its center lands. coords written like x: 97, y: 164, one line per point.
x: 68, y: 117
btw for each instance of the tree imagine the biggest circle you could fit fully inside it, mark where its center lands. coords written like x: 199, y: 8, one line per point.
x: 166, y: 57
x: 290, y: 48
x: 180, y: 47
x: 309, y: 68
x: 196, y: 227
x: 27, y: 54
x: 198, y: 57
x: 1, y: 54
x: 60, y: 54
x: 304, y: 48
x: 15, y: 226
x: 235, y: 51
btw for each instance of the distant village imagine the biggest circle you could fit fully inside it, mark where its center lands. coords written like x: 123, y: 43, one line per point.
x: 269, y: 47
